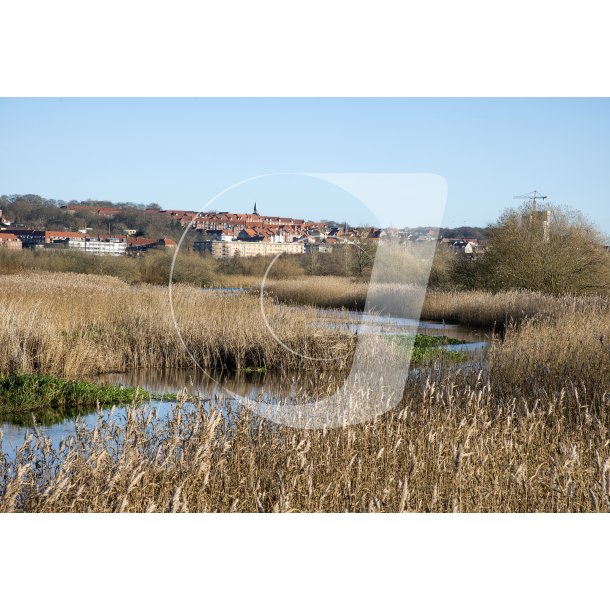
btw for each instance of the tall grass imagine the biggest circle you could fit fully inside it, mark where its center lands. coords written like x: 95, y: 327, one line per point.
x: 319, y: 291
x: 475, y: 308
x: 554, y: 353
x: 72, y: 325
x: 449, y: 447
x: 498, y: 310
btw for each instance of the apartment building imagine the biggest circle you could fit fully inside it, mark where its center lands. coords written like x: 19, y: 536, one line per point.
x: 227, y: 249
x: 112, y: 245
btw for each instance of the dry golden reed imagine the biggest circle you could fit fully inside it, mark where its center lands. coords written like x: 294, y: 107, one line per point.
x: 477, y: 308
x: 71, y: 325
x: 447, y: 447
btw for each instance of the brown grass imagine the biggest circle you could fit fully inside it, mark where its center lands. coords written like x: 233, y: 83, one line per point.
x: 568, y: 351
x: 71, y: 325
x: 446, y: 448
x: 477, y: 308
x: 319, y: 291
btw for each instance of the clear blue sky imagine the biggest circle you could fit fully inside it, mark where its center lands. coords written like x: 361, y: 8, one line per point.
x: 181, y: 152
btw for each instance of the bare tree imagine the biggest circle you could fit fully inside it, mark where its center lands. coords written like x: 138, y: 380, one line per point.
x: 555, y: 250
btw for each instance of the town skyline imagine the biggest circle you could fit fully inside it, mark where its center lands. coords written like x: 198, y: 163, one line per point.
x: 108, y: 209
x: 31, y: 222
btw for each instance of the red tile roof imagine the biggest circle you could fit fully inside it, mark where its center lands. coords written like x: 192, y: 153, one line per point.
x: 64, y: 235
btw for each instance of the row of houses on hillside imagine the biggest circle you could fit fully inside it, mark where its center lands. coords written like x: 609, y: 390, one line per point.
x: 227, y: 226
x: 113, y: 245
x: 226, y: 234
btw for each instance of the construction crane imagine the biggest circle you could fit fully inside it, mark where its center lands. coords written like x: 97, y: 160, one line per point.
x: 531, y: 198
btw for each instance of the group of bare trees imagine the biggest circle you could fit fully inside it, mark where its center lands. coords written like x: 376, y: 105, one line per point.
x: 555, y: 250
x: 35, y: 212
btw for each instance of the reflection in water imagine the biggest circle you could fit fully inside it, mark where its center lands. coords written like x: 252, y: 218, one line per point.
x: 362, y: 323
x: 263, y: 386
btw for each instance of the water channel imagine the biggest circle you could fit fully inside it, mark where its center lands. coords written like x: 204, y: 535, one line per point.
x: 270, y: 386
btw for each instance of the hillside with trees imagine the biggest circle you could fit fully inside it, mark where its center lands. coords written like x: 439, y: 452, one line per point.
x: 35, y: 212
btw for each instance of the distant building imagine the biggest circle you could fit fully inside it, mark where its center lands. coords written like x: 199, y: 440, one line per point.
x: 228, y: 249
x: 322, y: 247
x: 111, y: 245
x: 463, y: 245
x: 221, y: 234
x: 29, y: 237
x: 10, y: 240
x: 4, y: 221
x: 139, y: 245
x: 114, y: 245
x: 274, y: 235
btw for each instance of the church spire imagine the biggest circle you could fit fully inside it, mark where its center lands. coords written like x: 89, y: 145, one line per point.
x: 255, y: 208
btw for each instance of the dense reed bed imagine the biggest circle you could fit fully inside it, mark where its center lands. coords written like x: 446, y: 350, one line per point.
x: 73, y: 325
x: 526, y: 431
x: 499, y: 310
x: 476, y: 308
x: 564, y: 352
x: 319, y: 291
x: 450, y: 446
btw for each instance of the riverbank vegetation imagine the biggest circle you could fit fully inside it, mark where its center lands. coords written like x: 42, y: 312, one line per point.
x: 476, y: 308
x: 526, y: 432
x: 27, y: 398
x: 426, y: 350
